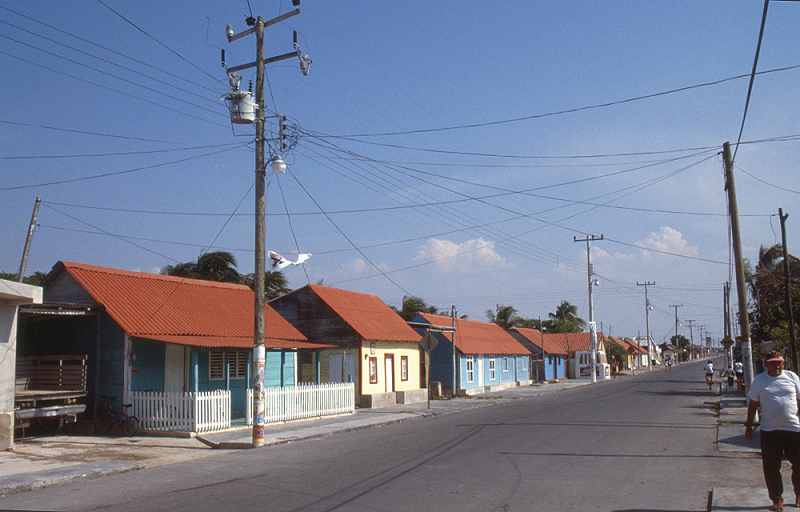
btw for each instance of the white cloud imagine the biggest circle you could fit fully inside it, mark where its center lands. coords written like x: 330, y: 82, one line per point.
x: 669, y: 240
x: 468, y: 256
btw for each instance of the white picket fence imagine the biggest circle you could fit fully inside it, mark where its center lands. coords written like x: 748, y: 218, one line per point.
x: 207, y: 411
x: 304, y: 401
x: 182, y: 412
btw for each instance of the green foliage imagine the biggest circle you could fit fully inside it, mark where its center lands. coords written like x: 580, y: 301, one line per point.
x: 565, y: 319
x: 413, y: 305
x: 34, y: 279
x: 769, y: 315
x: 504, y: 316
x: 616, y: 352
x: 220, y: 266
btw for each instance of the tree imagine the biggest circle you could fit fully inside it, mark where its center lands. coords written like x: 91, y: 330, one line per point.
x: 504, y: 316
x: 217, y: 266
x: 35, y: 279
x: 565, y: 319
x: 769, y: 317
x: 413, y: 305
x: 616, y: 352
x: 275, y: 284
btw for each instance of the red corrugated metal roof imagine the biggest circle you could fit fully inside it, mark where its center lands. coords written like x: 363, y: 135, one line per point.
x: 367, y: 314
x: 535, y: 336
x: 578, y: 341
x: 179, y: 310
x: 475, y: 338
x: 629, y: 345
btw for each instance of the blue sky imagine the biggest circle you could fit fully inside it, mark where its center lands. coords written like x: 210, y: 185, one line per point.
x: 449, y: 150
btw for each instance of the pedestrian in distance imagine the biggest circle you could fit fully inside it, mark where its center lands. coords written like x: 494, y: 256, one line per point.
x: 776, y: 391
x: 738, y: 369
x: 669, y: 364
x: 709, y: 369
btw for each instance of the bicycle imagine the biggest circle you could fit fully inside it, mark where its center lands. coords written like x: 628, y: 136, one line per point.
x: 128, y: 423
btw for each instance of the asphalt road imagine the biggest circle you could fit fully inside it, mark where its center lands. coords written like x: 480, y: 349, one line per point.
x: 641, y: 443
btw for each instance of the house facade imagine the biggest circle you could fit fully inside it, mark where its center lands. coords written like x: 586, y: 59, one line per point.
x: 487, y: 358
x: 12, y: 296
x: 150, y: 332
x: 547, y: 357
x: 368, y: 343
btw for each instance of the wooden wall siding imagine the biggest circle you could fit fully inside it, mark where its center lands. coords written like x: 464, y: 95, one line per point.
x: 312, y: 317
x: 66, y: 289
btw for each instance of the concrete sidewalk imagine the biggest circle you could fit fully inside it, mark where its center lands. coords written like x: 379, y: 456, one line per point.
x: 40, y: 462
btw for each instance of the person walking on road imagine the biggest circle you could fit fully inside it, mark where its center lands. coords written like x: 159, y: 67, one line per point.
x: 738, y: 368
x: 776, y: 391
x: 709, y: 369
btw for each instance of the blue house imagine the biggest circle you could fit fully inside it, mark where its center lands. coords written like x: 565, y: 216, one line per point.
x: 487, y: 358
x: 548, y: 361
x: 150, y: 332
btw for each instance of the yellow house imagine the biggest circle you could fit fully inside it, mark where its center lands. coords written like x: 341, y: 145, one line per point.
x: 369, y: 343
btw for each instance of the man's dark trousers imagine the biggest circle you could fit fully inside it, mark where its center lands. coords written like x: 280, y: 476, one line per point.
x: 773, y: 445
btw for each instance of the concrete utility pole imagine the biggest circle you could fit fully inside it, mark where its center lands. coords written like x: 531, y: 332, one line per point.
x: 28, y: 239
x: 259, y: 335
x: 676, y: 306
x: 691, y: 339
x: 592, y: 325
x: 647, y: 321
x: 741, y: 291
x: 788, y: 290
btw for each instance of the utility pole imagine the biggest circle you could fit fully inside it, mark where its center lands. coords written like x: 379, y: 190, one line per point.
x: 788, y: 290
x: 741, y: 291
x: 30, y: 236
x: 455, y: 374
x: 259, y: 334
x: 691, y: 339
x: 676, y: 306
x: 592, y: 325
x: 647, y: 320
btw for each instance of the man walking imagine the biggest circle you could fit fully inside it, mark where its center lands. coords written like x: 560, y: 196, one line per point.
x: 776, y: 391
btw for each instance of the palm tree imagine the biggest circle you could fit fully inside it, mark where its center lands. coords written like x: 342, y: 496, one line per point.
x: 217, y: 266
x: 770, y: 317
x: 566, y: 318
x: 504, y: 316
x: 275, y: 284
x: 413, y: 305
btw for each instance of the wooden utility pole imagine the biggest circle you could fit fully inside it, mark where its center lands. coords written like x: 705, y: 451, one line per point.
x: 788, y: 291
x: 259, y: 328
x: 741, y: 291
x: 28, y: 239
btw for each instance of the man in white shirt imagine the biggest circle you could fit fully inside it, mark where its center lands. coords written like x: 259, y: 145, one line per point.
x: 738, y: 369
x: 777, y: 392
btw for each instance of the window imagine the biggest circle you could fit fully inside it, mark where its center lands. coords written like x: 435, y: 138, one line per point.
x: 404, y: 368
x: 470, y: 369
x: 505, y: 365
x: 216, y: 365
x: 373, y: 370
x: 239, y: 365
x: 491, y: 369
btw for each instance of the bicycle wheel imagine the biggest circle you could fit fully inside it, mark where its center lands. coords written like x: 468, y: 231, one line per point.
x: 102, y: 424
x: 130, y: 426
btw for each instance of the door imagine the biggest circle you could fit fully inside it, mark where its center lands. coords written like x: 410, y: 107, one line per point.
x: 389, y: 374
x: 174, y: 368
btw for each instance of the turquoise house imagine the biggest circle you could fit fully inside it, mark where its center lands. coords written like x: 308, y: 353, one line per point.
x: 150, y: 332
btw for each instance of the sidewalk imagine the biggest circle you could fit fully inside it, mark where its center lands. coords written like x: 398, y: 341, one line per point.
x: 40, y: 462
